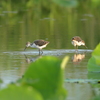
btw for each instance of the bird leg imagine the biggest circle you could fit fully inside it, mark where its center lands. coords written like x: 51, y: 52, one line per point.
x: 76, y: 48
x: 85, y: 46
x: 40, y: 52
x: 25, y: 48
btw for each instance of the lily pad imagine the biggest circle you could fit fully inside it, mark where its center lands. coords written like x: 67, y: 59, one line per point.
x: 94, y: 61
x: 19, y: 93
x: 46, y: 76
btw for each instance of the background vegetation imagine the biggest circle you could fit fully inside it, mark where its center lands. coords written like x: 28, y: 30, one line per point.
x: 55, y: 20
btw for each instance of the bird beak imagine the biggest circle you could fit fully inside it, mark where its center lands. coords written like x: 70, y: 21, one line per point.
x: 25, y: 48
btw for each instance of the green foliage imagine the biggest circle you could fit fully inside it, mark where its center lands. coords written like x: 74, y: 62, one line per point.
x: 43, y: 80
x: 31, y: 3
x: 95, y: 3
x: 66, y: 3
x: 19, y: 93
x: 45, y: 75
x: 94, y: 61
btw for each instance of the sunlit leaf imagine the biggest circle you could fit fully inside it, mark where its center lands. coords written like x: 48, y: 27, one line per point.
x: 95, y: 3
x: 46, y: 76
x: 31, y: 3
x: 96, y: 54
x: 94, y: 61
x: 19, y: 93
x: 66, y: 3
x: 64, y: 62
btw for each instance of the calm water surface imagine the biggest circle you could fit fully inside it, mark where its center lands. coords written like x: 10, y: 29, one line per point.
x: 14, y: 63
x: 57, y: 27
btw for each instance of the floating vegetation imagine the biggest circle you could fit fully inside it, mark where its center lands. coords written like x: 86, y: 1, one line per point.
x: 94, y: 61
x: 93, y: 81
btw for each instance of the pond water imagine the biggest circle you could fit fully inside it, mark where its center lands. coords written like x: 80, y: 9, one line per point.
x: 57, y: 27
x: 14, y: 63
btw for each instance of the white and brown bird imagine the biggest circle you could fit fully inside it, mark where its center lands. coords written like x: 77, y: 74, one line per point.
x: 39, y: 44
x: 77, y: 41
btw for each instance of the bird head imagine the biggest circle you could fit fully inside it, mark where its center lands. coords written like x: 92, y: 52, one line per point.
x: 27, y: 45
x: 73, y: 38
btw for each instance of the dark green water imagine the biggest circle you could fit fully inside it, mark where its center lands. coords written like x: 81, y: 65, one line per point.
x: 56, y: 25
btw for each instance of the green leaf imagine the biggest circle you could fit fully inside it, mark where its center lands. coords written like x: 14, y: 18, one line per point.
x: 19, y: 93
x: 46, y: 76
x: 93, y: 75
x: 64, y: 62
x: 96, y: 54
x: 31, y: 3
x: 66, y: 3
x: 94, y: 61
x: 95, y: 3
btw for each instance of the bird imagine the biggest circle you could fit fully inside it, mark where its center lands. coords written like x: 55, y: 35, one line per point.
x: 39, y: 44
x: 77, y: 41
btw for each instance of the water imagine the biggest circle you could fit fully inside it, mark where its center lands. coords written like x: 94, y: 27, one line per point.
x: 58, y: 27
x: 14, y: 63
x: 77, y: 70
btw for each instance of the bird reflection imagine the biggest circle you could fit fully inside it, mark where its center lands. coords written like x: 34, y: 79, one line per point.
x: 78, y: 58
x: 32, y: 59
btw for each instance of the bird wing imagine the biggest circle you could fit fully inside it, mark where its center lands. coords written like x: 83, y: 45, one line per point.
x: 40, y: 42
x: 78, y: 38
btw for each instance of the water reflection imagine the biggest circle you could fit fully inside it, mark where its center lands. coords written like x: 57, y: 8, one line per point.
x: 77, y: 58
x: 31, y: 59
